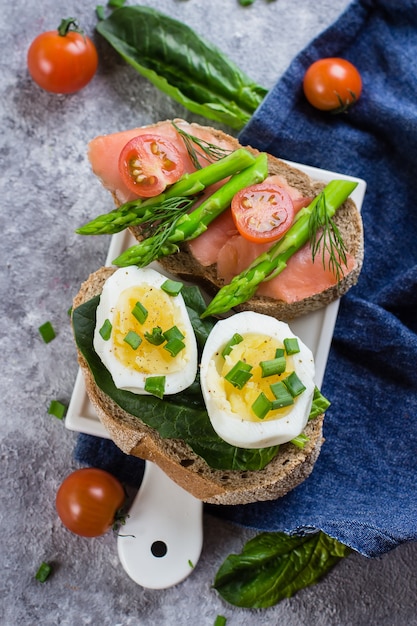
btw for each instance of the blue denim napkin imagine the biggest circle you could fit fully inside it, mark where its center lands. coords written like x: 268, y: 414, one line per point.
x: 363, y: 488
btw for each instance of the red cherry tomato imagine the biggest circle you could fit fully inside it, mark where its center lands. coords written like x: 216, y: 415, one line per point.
x: 332, y: 84
x: 62, y: 60
x: 148, y: 163
x: 262, y: 212
x: 88, y: 500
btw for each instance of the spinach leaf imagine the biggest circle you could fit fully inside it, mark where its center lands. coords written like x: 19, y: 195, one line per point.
x: 181, y: 416
x: 183, y: 65
x: 274, y: 566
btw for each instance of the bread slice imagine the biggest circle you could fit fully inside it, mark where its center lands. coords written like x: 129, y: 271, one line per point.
x: 290, y: 467
x: 348, y: 219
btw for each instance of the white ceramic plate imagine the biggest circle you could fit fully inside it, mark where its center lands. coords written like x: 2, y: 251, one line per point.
x: 315, y: 329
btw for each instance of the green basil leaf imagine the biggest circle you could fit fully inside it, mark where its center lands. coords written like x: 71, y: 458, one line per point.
x: 183, y: 65
x: 274, y: 566
x: 181, y: 416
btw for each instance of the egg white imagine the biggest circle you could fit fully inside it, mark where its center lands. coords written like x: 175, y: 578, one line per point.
x: 183, y: 372
x: 232, y: 427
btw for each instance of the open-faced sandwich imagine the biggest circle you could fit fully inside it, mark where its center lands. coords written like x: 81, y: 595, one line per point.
x: 228, y: 408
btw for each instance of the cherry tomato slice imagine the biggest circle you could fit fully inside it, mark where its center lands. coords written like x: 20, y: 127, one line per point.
x: 262, y: 212
x: 87, y: 501
x: 148, y: 163
x: 63, y: 60
x: 332, y: 84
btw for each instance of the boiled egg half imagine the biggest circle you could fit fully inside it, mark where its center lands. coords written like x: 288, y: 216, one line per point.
x: 257, y: 380
x: 143, y: 333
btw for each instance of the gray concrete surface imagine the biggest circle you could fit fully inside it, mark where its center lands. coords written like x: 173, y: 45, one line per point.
x: 47, y: 190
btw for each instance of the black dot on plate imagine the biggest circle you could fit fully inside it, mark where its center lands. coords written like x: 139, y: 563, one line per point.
x: 159, y: 548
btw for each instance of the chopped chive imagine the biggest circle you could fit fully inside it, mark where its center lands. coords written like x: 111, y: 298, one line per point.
x: 273, y: 366
x: 232, y: 342
x: 155, y: 337
x: 174, y: 346
x: 220, y: 621
x: 261, y: 406
x: 172, y: 287
x: 133, y: 339
x: 140, y: 312
x: 239, y: 374
x: 294, y: 384
x: 43, y: 572
x: 155, y: 385
x: 300, y: 441
x: 279, y: 352
x: 291, y: 345
x: 57, y: 409
x: 105, y: 330
x: 173, y: 333
x: 282, y: 395
x: 47, y: 332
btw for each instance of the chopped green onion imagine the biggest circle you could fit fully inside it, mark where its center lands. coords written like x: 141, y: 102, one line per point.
x: 300, y: 441
x: 155, y: 385
x: 133, y: 339
x: 232, y: 342
x: 105, y: 330
x: 43, y: 572
x: 291, y: 345
x: 273, y: 366
x: 294, y: 384
x: 100, y: 12
x: 173, y: 333
x: 261, y: 406
x: 172, y: 287
x: 140, y: 312
x: 174, y: 346
x: 282, y: 395
x: 239, y: 374
x: 47, y: 332
x: 57, y: 409
x: 220, y: 621
x: 279, y: 352
x: 155, y: 337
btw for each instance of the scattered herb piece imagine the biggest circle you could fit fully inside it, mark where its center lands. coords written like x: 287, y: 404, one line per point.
x: 43, y: 572
x: 172, y: 287
x: 273, y: 366
x: 174, y: 346
x: 291, y: 345
x: 133, y: 339
x: 173, y: 333
x: 220, y: 621
x: 236, y: 339
x: 239, y: 374
x: 47, y: 332
x: 105, y: 330
x: 261, y: 406
x: 300, y: 441
x: 155, y: 337
x: 155, y: 385
x: 57, y: 409
x: 140, y: 313
x: 294, y: 385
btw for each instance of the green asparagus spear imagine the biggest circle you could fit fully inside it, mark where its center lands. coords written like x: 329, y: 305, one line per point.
x: 191, y: 225
x: 271, y: 263
x: 139, y: 211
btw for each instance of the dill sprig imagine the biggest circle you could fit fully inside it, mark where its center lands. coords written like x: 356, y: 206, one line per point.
x: 324, y: 235
x: 207, y: 151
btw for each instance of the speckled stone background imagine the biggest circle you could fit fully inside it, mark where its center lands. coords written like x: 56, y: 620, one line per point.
x: 47, y: 190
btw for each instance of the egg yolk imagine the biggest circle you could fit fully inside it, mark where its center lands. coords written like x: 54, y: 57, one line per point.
x: 161, y: 312
x: 253, y: 349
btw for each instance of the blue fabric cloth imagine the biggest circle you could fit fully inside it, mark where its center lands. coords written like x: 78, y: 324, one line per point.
x: 363, y: 488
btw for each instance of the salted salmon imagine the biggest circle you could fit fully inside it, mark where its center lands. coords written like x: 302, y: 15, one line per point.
x: 221, y: 244
x: 104, y: 151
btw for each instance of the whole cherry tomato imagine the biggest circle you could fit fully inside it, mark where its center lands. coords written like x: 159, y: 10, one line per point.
x: 148, y: 163
x: 88, y: 500
x: 332, y: 84
x: 262, y: 212
x: 62, y: 60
